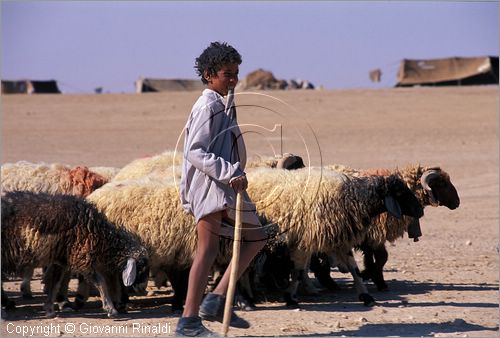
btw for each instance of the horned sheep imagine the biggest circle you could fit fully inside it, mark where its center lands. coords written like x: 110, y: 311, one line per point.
x: 66, y: 232
x: 431, y: 185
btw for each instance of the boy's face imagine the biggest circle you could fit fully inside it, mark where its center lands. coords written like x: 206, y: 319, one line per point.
x: 224, y: 79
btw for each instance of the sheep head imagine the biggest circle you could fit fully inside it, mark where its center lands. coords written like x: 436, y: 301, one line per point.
x: 85, y: 181
x: 290, y: 162
x: 136, y: 273
x: 439, y: 188
x: 400, y: 200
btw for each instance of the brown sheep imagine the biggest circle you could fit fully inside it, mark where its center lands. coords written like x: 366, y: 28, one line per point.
x: 66, y: 232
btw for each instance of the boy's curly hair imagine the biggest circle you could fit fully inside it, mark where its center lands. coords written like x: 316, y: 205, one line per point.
x: 214, y: 57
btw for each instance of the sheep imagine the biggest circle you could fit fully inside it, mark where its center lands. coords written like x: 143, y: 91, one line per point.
x: 167, y: 165
x: 66, y: 232
x: 49, y: 178
x: 326, y: 211
x: 432, y: 186
x: 164, y: 165
x: 107, y: 172
x: 151, y: 208
x: 159, y: 168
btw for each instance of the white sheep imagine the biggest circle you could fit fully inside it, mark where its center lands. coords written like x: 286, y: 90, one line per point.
x: 66, y: 232
x: 163, y: 166
x: 50, y: 178
x: 107, y: 172
x: 167, y: 165
x: 150, y: 207
x: 325, y: 211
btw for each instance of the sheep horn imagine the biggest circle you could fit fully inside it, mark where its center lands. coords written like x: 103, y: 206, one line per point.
x: 425, y: 179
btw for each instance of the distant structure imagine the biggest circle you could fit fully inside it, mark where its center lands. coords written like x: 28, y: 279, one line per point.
x: 375, y: 75
x: 261, y: 79
x: 30, y: 87
x: 147, y: 85
x: 454, y: 71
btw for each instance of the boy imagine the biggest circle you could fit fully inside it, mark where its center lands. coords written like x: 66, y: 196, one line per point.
x: 212, y: 174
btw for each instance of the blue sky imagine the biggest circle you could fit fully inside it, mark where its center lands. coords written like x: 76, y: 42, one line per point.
x: 89, y: 44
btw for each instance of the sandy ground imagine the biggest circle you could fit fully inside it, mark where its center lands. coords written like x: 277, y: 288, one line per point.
x: 444, y: 285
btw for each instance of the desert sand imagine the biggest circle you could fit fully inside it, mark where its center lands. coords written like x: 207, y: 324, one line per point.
x: 447, y: 284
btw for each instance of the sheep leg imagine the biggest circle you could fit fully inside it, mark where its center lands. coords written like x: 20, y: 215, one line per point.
x: 245, y: 296
x: 320, y: 266
x: 6, y: 302
x: 369, y: 262
x: 361, y: 289
x: 53, y: 280
x: 118, y: 293
x: 381, y: 256
x: 179, y: 281
x: 306, y: 282
x: 300, y: 263
x: 62, y: 294
x: 26, y: 283
x: 82, y: 293
x: 107, y: 301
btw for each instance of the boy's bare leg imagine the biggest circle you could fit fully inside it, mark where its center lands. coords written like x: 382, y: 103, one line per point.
x: 256, y: 241
x: 207, y: 249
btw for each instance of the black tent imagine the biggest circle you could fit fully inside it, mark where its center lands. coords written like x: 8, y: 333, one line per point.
x: 30, y: 87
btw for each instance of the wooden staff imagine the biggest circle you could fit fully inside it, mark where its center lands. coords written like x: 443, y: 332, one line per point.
x: 233, y: 277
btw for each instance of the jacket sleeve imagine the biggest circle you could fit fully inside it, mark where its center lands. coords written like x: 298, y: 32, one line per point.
x: 201, y: 136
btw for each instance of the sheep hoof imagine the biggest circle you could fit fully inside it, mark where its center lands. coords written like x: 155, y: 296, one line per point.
x: 113, y: 313
x: 5, y: 315
x: 65, y: 306
x: 367, y: 299
x: 50, y: 314
x: 291, y: 302
x: 10, y: 305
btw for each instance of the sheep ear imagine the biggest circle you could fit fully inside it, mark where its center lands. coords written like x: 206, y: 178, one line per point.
x: 393, y: 207
x: 128, y: 274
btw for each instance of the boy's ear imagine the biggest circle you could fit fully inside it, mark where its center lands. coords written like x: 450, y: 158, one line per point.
x: 206, y: 75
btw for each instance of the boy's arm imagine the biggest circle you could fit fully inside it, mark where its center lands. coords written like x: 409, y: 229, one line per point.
x: 201, y: 134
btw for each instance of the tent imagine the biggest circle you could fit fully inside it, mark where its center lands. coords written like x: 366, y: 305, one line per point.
x: 29, y: 87
x: 167, y: 85
x: 261, y: 79
x: 448, y: 71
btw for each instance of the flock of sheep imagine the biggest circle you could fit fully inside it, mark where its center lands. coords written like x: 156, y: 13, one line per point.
x: 117, y: 228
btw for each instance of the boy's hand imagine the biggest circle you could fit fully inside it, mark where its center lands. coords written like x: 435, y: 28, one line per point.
x: 239, y: 183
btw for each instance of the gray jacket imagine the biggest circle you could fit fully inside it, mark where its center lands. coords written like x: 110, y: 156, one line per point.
x: 214, y: 152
